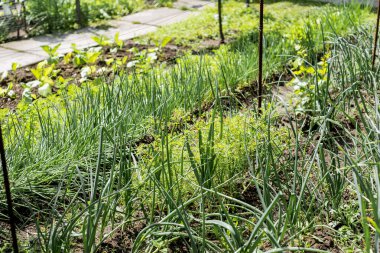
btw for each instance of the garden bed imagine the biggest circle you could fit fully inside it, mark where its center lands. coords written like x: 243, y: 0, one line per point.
x: 176, y: 157
x: 130, y: 52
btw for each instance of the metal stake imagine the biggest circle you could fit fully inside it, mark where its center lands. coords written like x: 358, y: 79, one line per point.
x: 12, y: 219
x: 376, y: 37
x: 220, y: 21
x: 261, y: 37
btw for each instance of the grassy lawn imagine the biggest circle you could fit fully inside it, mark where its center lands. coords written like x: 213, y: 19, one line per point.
x: 156, y: 145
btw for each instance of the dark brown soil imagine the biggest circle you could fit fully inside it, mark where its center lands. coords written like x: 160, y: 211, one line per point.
x: 323, y: 240
x: 177, y: 246
x: 320, y: 239
x: 167, y: 54
x: 249, y: 195
x: 146, y: 139
x: 122, y: 240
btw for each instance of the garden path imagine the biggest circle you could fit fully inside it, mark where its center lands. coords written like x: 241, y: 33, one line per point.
x: 27, y: 52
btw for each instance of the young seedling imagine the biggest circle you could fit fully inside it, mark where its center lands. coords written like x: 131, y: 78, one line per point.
x: 102, y: 40
x: 117, y: 41
x: 52, y: 52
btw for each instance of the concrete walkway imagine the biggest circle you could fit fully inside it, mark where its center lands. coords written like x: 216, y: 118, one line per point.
x: 27, y: 52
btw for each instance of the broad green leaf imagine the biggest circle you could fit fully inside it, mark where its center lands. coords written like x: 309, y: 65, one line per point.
x: 33, y: 84
x: 27, y: 96
x: 15, y: 66
x: 36, y: 73
x: 55, y: 49
x: 165, y: 41
x: 93, y: 57
x: 221, y: 224
x: 45, y: 90
x: 47, y: 49
x: 67, y: 57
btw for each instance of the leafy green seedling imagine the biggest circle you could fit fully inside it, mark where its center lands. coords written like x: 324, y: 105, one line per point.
x: 52, y: 52
x: 27, y: 96
x: 8, y: 92
x: 45, y: 73
x: 15, y: 66
x: 62, y: 83
x: 67, y: 58
x: 45, y: 90
x: 101, y: 40
x: 165, y: 41
x: 88, y: 57
x: 118, y: 42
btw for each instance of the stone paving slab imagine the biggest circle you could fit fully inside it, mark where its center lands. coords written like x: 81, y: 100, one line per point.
x: 128, y: 30
x: 175, y: 18
x: 10, y: 56
x: 159, y: 17
x: 367, y: 2
x: 191, y: 4
x: 84, y: 40
x: 29, y: 51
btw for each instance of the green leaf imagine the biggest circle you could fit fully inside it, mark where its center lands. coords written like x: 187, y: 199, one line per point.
x: 165, y: 41
x: 45, y: 90
x: 15, y: 66
x: 46, y: 48
x: 36, y: 73
x: 27, y: 96
x: 33, y: 84
x: 11, y: 94
x: 117, y: 41
x: 55, y: 49
x: 96, y: 39
x: 93, y: 57
x: 221, y: 224
x: 78, y: 61
x: 3, y: 92
x: 67, y: 58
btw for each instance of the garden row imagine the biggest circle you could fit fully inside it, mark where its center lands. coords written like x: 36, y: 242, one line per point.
x: 176, y: 157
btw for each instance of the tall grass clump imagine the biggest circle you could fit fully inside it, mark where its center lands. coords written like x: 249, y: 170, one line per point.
x: 359, y: 103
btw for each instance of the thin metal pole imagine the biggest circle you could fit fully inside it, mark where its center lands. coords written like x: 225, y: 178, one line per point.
x: 12, y: 219
x: 261, y: 37
x: 220, y: 21
x: 24, y: 17
x: 376, y: 37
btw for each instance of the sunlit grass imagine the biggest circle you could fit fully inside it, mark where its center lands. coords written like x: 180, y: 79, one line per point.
x: 164, y: 150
